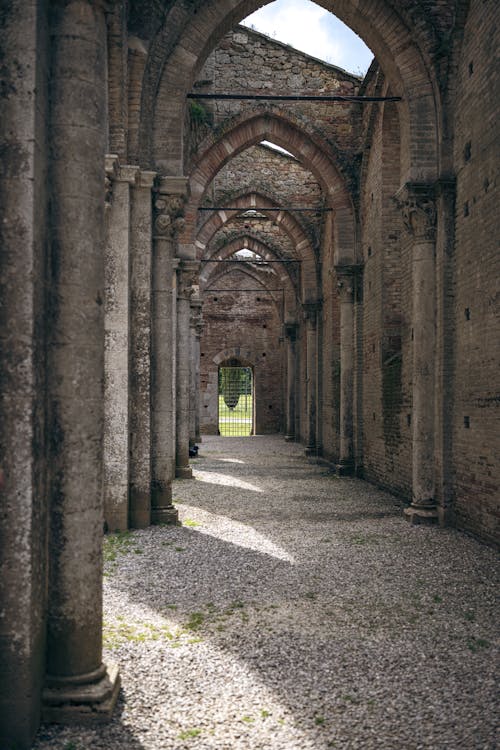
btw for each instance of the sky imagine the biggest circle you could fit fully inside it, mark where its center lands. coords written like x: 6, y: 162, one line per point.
x: 312, y: 29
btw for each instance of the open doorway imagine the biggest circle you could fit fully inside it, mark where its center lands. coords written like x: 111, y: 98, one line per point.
x: 236, y: 395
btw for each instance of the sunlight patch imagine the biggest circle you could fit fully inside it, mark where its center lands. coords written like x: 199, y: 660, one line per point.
x: 213, y: 477
x: 228, y: 530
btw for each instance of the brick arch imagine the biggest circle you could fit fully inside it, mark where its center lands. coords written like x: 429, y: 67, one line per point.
x: 253, y: 128
x: 285, y: 220
x: 256, y: 278
x: 402, y: 40
x: 249, y: 197
x: 247, y: 357
x: 264, y: 250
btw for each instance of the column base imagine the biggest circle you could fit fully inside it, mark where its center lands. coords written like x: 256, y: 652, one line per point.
x: 82, y: 703
x: 162, y: 510
x: 140, y: 508
x: 421, y: 515
x: 183, y: 472
x: 169, y: 516
x: 289, y: 438
x: 311, y: 450
x: 344, y: 468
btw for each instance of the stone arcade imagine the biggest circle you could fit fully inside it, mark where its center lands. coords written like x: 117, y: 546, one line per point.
x: 370, y: 322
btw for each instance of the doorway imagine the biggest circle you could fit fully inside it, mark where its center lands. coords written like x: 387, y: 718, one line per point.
x: 235, y: 401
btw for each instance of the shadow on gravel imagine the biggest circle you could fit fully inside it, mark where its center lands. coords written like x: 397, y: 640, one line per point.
x: 113, y: 735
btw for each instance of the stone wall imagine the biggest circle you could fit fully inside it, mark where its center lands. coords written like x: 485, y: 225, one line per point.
x: 475, y: 332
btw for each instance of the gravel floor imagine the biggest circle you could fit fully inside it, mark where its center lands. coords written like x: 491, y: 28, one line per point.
x: 295, y: 610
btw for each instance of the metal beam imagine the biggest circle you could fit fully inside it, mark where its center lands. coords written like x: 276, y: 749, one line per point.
x: 257, y: 208
x: 297, y: 98
x: 249, y: 260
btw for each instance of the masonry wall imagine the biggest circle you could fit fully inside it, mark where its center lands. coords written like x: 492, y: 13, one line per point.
x: 330, y: 347
x: 386, y: 343
x: 246, y: 61
x: 475, y: 432
x: 248, y: 325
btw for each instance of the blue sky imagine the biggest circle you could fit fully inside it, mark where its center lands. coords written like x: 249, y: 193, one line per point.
x: 312, y: 29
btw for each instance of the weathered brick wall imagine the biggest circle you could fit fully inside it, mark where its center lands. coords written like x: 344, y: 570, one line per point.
x: 330, y: 346
x: 246, y: 61
x: 386, y: 347
x: 263, y: 170
x: 477, y: 270
x: 244, y: 323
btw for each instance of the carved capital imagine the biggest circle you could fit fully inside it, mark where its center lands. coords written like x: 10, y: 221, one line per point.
x: 188, y: 281
x: 196, y: 319
x: 290, y: 329
x: 345, y: 285
x: 311, y: 310
x: 169, y: 215
x: 418, y: 206
x: 112, y: 168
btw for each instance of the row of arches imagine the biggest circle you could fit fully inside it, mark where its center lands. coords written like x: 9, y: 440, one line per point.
x: 121, y: 227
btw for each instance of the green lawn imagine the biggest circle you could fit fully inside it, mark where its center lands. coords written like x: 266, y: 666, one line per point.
x: 236, y: 422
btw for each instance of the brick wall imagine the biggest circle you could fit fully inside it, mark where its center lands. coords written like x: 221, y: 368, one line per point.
x: 475, y: 433
x: 247, y: 325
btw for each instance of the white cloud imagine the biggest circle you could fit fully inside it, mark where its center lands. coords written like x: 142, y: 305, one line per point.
x: 312, y: 29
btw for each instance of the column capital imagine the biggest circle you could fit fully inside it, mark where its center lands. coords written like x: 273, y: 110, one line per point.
x: 196, y: 318
x: 290, y: 328
x: 188, y: 280
x: 417, y: 202
x: 128, y: 173
x: 169, y: 215
x: 111, y: 167
x: 146, y: 178
x: 311, y: 309
x: 345, y: 287
x: 116, y: 172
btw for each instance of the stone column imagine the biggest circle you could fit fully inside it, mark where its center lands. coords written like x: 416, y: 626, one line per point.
x: 140, y: 351
x: 197, y: 415
x: 311, y: 310
x: 194, y: 378
x: 345, y: 285
x: 79, y: 687
x: 291, y: 337
x: 419, y: 212
x: 169, y: 207
x: 24, y: 200
x: 116, y: 345
x: 187, y: 287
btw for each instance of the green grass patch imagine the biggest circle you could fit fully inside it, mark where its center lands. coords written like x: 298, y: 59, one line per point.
x: 187, y: 734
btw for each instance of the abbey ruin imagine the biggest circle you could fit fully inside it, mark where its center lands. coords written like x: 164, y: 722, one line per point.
x: 363, y: 215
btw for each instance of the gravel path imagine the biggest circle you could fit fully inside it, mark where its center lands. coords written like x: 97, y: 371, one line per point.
x: 294, y: 610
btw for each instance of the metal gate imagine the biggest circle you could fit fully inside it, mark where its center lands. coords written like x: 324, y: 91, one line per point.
x: 235, y: 401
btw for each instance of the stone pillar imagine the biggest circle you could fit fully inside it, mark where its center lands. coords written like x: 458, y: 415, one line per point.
x: 116, y: 345
x: 169, y: 207
x: 187, y: 287
x: 291, y: 337
x: 140, y: 351
x: 79, y: 687
x: 345, y: 287
x: 311, y: 310
x: 24, y: 199
x: 194, y: 373
x: 419, y: 212
x: 197, y: 415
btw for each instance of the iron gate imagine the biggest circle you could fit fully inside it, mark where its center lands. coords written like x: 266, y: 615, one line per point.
x: 235, y: 401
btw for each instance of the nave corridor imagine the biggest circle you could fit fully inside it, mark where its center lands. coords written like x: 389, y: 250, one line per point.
x: 293, y: 610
